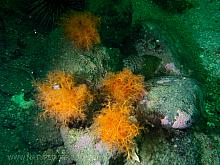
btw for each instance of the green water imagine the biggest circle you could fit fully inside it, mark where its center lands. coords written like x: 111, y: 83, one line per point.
x: 153, y: 38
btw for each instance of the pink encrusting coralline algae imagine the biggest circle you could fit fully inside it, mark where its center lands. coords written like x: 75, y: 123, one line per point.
x: 165, y: 121
x: 170, y: 67
x: 183, y: 120
x: 82, y: 143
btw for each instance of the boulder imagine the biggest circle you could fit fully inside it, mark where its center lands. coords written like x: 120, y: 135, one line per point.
x: 176, y: 102
x: 190, y: 148
x: 84, y: 147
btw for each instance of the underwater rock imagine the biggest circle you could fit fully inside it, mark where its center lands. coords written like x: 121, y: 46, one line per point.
x: 177, y: 101
x: 87, y: 66
x: 84, y: 148
x: 208, y: 147
x: 144, y: 65
x: 41, y: 134
x: 149, y: 47
x: 191, y: 148
x: 154, y: 44
x: 13, y: 115
x: 16, y: 111
x: 15, y: 80
x: 156, y: 150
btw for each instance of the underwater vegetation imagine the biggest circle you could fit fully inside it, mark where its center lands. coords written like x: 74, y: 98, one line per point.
x: 82, y: 29
x: 115, y: 127
x: 46, y: 12
x: 124, y: 86
x: 61, y: 99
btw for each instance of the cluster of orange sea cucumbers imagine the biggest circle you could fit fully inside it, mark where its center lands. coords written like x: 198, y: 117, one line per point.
x: 124, y: 86
x: 82, y: 29
x: 115, y: 128
x: 61, y: 98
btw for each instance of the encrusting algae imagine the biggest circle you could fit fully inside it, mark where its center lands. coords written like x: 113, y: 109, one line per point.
x: 62, y: 99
